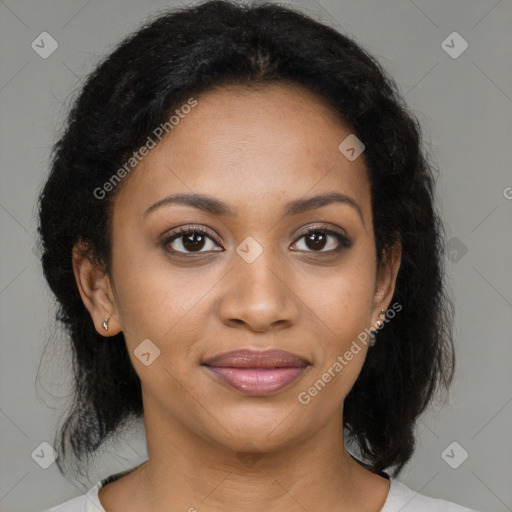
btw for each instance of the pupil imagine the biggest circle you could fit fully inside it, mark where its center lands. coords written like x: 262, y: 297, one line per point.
x: 316, y: 238
x: 193, y: 241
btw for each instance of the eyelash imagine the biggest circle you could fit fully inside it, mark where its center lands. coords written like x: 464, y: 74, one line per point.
x: 344, y: 242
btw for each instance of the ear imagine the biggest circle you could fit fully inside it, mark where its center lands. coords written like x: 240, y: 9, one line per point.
x: 386, y: 280
x: 95, y: 290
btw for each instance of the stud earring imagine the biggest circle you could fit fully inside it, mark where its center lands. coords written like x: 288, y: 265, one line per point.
x: 105, y: 325
x: 379, y: 322
x: 373, y: 338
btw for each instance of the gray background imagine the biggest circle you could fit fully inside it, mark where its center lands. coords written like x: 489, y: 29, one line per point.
x: 464, y: 105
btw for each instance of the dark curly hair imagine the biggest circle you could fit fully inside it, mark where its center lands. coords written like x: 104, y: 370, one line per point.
x: 191, y: 50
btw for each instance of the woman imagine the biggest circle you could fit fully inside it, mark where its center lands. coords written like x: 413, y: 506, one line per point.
x: 239, y: 228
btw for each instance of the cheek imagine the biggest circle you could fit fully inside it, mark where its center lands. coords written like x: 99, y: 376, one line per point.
x: 345, y: 300
x: 343, y: 347
x: 157, y: 299
x: 345, y: 312
x: 342, y: 311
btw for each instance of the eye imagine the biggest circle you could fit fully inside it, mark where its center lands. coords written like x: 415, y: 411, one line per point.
x: 189, y: 240
x: 193, y: 239
x: 316, y: 238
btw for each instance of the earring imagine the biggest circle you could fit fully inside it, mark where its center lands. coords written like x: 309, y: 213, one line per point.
x: 373, y: 338
x: 379, y: 322
x: 105, y: 325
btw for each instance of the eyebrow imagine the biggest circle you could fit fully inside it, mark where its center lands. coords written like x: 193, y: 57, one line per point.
x: 214, y: 206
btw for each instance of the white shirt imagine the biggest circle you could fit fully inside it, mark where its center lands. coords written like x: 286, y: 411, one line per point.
x: 400, y: 499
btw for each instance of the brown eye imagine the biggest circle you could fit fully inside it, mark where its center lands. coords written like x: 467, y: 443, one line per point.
x: 316, y: 241
x: 190, y: 240
x: 324, y: 240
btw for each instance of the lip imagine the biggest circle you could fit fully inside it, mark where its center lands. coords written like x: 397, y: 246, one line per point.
x: 255, y: 372
x: 249, y: 358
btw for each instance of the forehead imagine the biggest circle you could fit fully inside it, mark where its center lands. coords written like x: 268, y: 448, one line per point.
x: 240, y: 144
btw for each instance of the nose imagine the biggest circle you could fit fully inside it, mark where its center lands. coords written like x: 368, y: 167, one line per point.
x: 258, y: 296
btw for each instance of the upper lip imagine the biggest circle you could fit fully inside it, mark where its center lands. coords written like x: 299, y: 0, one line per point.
x: 248, y: 358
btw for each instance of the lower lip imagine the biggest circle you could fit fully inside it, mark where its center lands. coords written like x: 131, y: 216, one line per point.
x: 257, y: 381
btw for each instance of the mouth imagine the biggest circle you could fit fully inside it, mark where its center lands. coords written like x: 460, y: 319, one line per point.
x: 257, y: 373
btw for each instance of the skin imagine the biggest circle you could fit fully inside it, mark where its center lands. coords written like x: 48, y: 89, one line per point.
x: 247, y: 148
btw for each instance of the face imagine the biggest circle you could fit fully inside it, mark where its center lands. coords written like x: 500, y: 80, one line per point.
x: 250, y: 277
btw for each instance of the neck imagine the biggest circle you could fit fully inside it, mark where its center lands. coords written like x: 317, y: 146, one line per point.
x: 190, y: 472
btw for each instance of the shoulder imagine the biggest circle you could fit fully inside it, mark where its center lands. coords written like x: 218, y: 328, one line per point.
x: 402, y: 498
x: 88, y: 502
